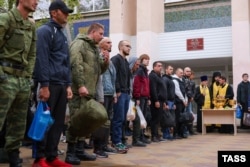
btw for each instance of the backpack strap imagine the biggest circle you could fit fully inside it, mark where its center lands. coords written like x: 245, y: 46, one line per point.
x: 11, y: 29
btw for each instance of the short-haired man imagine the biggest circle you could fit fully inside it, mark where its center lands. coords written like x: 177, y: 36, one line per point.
x: 181, y: 101
x: 106, y: 85
x: 243, y: 95
x: 52, y: 73
x: 158, y: 97
x: 190, y: 88
x: 85, y: 56
x: 168, y: 80
x: 17, y: 59
x: 123, y: 96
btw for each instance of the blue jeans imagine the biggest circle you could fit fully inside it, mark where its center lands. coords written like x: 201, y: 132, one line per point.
x: 189, y: 107
x: 119, y: 117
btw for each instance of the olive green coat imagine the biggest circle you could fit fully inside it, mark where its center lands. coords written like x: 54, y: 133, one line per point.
x: 20, y: 48
x: 86, y: 64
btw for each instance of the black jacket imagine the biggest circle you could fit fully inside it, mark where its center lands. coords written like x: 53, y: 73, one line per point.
x: 190, y: 87
x: 158, y: 90
x: 122, y: 83
x: 243, y: 90
x: 168, y: 80
x: 52, y: 59
x: 198, y: 97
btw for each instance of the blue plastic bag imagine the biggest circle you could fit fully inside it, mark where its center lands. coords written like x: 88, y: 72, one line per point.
x: 41, y: 122
x: 239, y: 112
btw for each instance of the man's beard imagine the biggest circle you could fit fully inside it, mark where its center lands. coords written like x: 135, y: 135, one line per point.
x: 125, y: 53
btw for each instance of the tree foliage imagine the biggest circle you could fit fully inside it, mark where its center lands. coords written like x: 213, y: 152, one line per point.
x: 7, y: 6
x: 11, y: 3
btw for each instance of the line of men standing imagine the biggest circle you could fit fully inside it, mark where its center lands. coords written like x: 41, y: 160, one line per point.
x: 53, y: 70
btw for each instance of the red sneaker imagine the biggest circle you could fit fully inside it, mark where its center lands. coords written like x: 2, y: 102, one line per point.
x: 58, y: 163
x: 41, y: 163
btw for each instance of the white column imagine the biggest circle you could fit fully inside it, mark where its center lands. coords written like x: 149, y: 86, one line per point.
x: 122, y: 21
x: 240, y: 40
x: 150, y: 22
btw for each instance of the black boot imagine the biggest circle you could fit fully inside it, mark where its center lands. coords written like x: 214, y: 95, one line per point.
x: 71, y: 157
x: 14, y: 159
x: 191, y: 129
x: 90, y: 144
x: 3, y: 156
x: 143, y: 138
x: 98, y: 149
x: 81, y: 154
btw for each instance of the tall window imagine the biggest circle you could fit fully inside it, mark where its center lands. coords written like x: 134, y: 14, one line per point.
x: 84, y: 6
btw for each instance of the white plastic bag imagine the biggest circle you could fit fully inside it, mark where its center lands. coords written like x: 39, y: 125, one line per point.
x: 142, y: 119
x: 131, y: 111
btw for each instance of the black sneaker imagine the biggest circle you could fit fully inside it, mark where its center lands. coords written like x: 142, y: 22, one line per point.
x: 155, y: 139
x: 147, y: 141
x: 139, y: 144
x: 162, y: 140
x: 109, y: 150
x: 101, y: 154
x: 178, y: 137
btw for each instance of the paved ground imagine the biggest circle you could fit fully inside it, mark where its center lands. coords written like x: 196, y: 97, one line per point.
x: 196, y: 151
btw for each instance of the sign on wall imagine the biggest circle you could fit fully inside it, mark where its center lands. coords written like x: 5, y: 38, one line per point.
x: 82, y: 27
x: 195, y: 44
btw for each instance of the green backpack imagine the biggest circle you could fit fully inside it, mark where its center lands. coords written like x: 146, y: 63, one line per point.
x: 90, y: 117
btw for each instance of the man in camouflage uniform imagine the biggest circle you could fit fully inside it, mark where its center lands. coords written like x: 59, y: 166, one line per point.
x: 17, y: 58
x: 86, y: 66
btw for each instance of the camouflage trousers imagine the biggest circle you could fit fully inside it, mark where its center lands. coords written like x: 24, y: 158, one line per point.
x: 14, y: 96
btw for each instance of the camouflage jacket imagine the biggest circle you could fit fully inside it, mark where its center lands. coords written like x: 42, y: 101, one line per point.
x: 86, y: 64
x: 20, y: 48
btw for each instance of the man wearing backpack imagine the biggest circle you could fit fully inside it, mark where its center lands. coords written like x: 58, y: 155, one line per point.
x: 52, y: 73
x: 17, y: 58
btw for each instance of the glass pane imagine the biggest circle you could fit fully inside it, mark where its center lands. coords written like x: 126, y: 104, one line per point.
x: 86, y: 5
x: 101, y: 4
x: 42, y: 9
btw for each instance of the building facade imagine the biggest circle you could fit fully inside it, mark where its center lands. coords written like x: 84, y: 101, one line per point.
x: 206, y: 35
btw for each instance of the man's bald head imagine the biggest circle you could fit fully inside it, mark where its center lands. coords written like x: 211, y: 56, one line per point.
x: 187, y: 72
x: 179, y: 72
x: 105, y: 44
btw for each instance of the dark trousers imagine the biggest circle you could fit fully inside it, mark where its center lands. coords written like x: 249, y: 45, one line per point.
x: 57, y: 103
x: 244, y: 109
x: 108, y: 104
x: 179, y: 129
x: 138, y: 133
x: 199, y: 119
x: 156, y: 114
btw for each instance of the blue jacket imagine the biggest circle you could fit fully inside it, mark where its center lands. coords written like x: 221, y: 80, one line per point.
x: 108, y: 80
x: 52, y: 60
